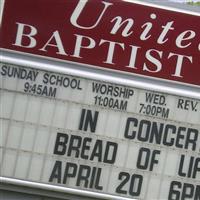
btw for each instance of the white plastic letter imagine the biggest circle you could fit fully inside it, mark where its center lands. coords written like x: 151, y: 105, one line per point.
x: 126, y: 32
x: 79, y: 8
x: 166, y: 29
x: 111, y: 49
x: 134, y: 50
x: 58, y: 44
x: 147, y: 27
x: 182, y: 37
x: 179, y: 63
x: 21, y: 35
x: 153, y: 60
x: 79, y: 46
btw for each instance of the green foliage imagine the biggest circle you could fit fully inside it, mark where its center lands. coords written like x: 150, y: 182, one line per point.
x: 194, y: 3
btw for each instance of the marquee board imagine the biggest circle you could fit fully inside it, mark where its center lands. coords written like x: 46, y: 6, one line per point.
x: 93, y: 135
x: 101, y: 136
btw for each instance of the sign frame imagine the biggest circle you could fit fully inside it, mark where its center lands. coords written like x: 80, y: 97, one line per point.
x: 99, y: 75
x: 86, y: 71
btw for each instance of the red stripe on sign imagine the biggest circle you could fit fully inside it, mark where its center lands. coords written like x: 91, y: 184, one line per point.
x: 112, y: 34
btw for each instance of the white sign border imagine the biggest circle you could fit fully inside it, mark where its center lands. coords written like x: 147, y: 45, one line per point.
x: 181, y: 9
x: 55, y: 188
x: 100, y: 74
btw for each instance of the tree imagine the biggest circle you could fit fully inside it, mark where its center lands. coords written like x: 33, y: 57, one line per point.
x: 194, y: 3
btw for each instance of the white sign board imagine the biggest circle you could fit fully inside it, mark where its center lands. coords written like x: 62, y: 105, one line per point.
x: 98, y: 136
